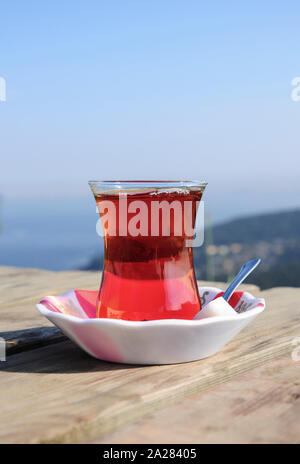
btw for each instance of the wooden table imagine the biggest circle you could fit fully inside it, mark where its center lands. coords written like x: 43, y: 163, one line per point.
x: 52, y: 392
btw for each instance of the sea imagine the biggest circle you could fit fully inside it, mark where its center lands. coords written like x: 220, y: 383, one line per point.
x: 54, y: 234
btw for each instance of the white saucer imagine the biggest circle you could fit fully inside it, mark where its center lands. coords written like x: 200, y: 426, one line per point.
x: 164, y: 341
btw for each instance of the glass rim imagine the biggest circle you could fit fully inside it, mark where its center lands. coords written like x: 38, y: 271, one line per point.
x: 118, y: 186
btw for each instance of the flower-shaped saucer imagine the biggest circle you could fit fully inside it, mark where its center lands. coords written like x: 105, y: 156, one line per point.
x: 164, y: 341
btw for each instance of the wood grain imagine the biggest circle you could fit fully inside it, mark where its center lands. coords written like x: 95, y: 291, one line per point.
x: 57, y: 394
x: 21, y: 286
x: 262, y: 406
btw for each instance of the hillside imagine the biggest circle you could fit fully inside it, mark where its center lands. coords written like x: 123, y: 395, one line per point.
x: 274, y: 237
x: 263, y: 227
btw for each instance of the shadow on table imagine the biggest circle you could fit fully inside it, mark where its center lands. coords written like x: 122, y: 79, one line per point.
x: 45, y: 350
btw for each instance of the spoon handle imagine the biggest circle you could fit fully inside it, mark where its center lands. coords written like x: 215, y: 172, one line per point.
x: 241, y: 276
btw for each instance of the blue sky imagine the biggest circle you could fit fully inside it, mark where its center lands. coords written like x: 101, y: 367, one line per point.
x: 152, y: 89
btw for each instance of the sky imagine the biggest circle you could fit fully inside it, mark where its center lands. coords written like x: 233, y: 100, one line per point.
x: 151, y: 89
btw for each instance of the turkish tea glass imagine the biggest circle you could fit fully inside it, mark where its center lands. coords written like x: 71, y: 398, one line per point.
x: 148, y: 230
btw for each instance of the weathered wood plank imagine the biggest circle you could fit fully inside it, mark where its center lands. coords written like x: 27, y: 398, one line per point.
x: 22, y: 340
x: 59, y: 394
x: 262, y: 406
x: 21, y: 286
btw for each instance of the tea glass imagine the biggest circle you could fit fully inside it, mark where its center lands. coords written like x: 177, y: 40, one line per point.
x: 148, y: 231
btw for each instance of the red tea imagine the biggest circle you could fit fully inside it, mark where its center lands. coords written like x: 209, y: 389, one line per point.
x: 150, y: 275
